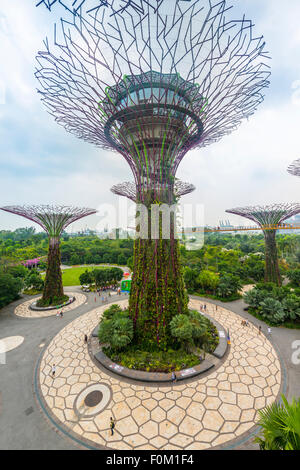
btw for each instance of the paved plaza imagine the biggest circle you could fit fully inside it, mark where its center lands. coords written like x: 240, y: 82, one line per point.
x: 215, y: 410
x: 23, y: 309
x: 197, y: 415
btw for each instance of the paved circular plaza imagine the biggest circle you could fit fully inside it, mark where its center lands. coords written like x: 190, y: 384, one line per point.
x: 199, y: 414
x: 23, y: 309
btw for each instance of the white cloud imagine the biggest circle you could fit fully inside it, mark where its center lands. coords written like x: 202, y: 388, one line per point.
x: 40, y: 162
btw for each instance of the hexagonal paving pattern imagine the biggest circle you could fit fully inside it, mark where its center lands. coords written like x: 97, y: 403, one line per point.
x: 23, y: 309
x: 201, y: 414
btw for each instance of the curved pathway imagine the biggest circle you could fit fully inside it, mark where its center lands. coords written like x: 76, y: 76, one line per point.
x: 203, y: 413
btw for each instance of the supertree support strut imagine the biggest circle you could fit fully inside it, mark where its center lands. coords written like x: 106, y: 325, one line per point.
x: 53, y: 219
x: 294, y: 168
x: 268, y: 216
x: 152, y: 85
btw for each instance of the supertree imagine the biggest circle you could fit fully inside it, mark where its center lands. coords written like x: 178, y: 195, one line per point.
x: 294, y: 168
x: 268, y: 217
x: 153, y: 85
x: 54, y: 220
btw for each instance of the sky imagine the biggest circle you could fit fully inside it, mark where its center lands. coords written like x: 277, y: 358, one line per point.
x: 40, y: 163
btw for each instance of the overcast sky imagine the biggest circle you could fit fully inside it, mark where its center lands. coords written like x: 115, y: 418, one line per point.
x: 41, y: 163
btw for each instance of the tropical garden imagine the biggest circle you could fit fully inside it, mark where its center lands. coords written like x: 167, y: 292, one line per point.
x: 191, y: 337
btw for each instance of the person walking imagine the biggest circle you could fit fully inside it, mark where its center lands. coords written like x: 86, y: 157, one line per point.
x: 259, y: 329
x: 173, y: 377
x: 85, y: 338
x: 269, y: 330
x: 53, y: 370
x: 112, y: 426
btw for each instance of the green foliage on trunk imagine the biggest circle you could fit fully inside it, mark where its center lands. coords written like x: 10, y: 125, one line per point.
x: 272, y: 273
x: 157, y: 291
x: 53, y: 293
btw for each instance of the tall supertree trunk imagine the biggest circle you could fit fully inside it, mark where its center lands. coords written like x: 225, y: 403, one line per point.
x: 157, y: 291
x: 272, y: 273
x: 53, y: 288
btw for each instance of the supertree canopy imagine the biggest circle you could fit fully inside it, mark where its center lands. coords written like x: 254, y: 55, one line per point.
x: 53, y: 219
x: 152, y: 84
x: 294, y: 168
x: 128, y: 189
x: 268, y: 217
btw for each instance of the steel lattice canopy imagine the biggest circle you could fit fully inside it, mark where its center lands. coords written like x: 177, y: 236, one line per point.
x: 294, y: 168
x: 154, y: 84
x: 53, y: 219
x: 273, y: 214
x: 129, y: 189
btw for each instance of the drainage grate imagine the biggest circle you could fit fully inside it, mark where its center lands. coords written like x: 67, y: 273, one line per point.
x: 29, y: 411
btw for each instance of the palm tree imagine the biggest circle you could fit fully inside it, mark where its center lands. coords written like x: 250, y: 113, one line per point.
x: 280, y: 425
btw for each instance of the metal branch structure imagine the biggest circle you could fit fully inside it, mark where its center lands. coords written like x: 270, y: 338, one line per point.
x: 152, y: 83
x: 294, y: 168
x: 87, y: 6
x: 266, y: 217
x: 128, y: 189
x: 53, y: 219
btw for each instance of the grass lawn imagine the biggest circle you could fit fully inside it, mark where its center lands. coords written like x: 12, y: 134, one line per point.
x: 70, y: 276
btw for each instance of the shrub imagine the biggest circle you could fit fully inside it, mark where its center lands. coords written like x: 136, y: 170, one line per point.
x: 280, y: 426
x: 272, y: 310
x: 116, y: 330
x: 182, y: 329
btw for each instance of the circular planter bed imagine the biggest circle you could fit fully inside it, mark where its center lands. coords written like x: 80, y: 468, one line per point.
x: 33, y: 306
x: 140, y: 375
x: 143, y: 376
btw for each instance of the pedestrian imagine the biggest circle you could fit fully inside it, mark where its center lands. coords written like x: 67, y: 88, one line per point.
x: 61, y: 314
x: 173, y: 377
x: 269, y: 331
x: 95, y: 299
x: 112, y: 426
x: 259, y: 330
x: 85, y: 338
x: 216, y: 308
x: 53, y: 370
x: 102, y: 298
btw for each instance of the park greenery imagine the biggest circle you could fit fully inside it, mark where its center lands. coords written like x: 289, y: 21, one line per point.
x: 280, y: 426
x: 275, y: 305
x: 218, y: 270
x: 100, y: 278
x: 192, y: 336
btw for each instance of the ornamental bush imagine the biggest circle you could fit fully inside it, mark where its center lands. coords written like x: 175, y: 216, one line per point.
x: 116, y: 329
x: 272, y: 311
x: 182, y: 329
x: 274, y: 304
